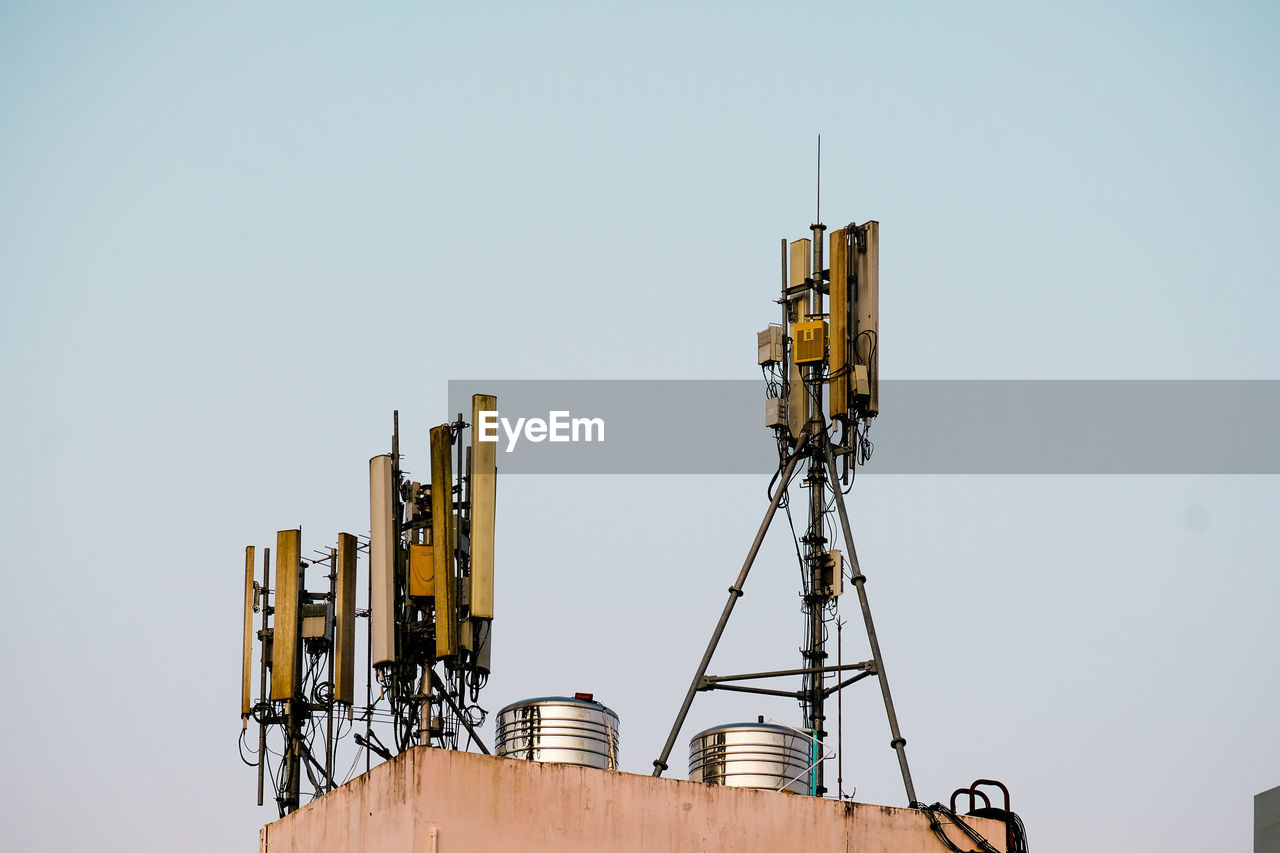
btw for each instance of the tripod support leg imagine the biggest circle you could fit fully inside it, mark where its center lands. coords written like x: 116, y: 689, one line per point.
x: 899, y: 743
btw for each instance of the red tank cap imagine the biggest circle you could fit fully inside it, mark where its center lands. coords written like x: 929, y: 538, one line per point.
x: 585, y: 697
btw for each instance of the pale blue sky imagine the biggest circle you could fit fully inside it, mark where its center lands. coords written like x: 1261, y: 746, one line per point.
x: 234, y: 237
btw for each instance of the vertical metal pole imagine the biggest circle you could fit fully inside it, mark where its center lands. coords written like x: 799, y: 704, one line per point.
x: 400, y: 603
x: 395, y: 438
x: 786, y: 324
x: 459, y: 529
x: 424, y: 712
x: 735, y: 592
x: 815, y: 539
x: 785, y: 284
x: 840, y: 707
x: 262, y: 682
x: 814, y: 602
x: 452, y: 678
x: 294, y: 772
x: 815, y: 303
x: 295, y: 705
x: 333, y: 637
x: 368, y: 672
x: 899, y: 743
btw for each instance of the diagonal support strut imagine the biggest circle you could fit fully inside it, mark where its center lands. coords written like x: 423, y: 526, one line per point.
x: 899, y: 743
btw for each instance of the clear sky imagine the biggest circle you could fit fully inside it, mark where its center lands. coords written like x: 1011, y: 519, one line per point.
x: 235, y: 236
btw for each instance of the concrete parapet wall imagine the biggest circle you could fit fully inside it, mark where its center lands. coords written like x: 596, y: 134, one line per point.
x: 436, y: 801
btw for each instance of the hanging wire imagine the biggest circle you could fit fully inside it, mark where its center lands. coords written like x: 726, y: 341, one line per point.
x: 253, y: 752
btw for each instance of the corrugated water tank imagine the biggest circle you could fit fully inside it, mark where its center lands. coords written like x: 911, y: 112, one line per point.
x: 560, y: 730
x: 751, y: 755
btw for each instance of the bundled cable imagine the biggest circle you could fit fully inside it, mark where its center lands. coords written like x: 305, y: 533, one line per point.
x: 984, y: 846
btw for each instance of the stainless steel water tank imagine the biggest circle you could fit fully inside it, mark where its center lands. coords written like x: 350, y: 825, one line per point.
x: 751, y: 755
x: 560, y: 730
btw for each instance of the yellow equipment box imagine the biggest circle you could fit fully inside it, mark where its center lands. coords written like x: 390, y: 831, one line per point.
x: 810, y: 342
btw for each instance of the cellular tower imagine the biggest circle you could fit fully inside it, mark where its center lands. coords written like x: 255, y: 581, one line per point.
x: 428, y: 624
x: 428, y: 636
x: 821, y: 370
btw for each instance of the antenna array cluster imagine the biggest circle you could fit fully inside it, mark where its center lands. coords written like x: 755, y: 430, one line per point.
x: 821, y: 369
x: 430, y: 557
x: 836, y: 348
x: 429, y: 581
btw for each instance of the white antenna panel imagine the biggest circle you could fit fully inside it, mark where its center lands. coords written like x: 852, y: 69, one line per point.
x: 382, y: 560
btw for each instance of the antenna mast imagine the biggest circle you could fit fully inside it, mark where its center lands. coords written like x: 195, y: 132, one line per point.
x: 430, y: 611
x: 817, y: 214
x: 822, y: 376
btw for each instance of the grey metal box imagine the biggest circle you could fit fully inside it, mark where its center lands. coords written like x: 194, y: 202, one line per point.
x: 769, y: 345
x: 775, y: 412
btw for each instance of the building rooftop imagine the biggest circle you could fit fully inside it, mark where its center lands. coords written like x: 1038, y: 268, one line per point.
x: 438, y: 801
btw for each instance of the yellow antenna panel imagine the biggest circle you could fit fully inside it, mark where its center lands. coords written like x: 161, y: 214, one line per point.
x: 797, y: 399
x: 866, y: 345
x: 839, y: 310
x: 285, y: 648
x: 246, y: 702
x: 484, y: 488
x: 442, y: 540
x: 422, y: 571
x: 344, y: 661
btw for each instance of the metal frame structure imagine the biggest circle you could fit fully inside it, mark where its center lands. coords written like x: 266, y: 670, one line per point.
x: 833, y: 351
x: 430, y: 594
x: 441, y: 646
x: 300, y: 627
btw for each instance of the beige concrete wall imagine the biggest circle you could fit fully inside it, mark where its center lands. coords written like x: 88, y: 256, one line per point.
x: 436, y: 801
